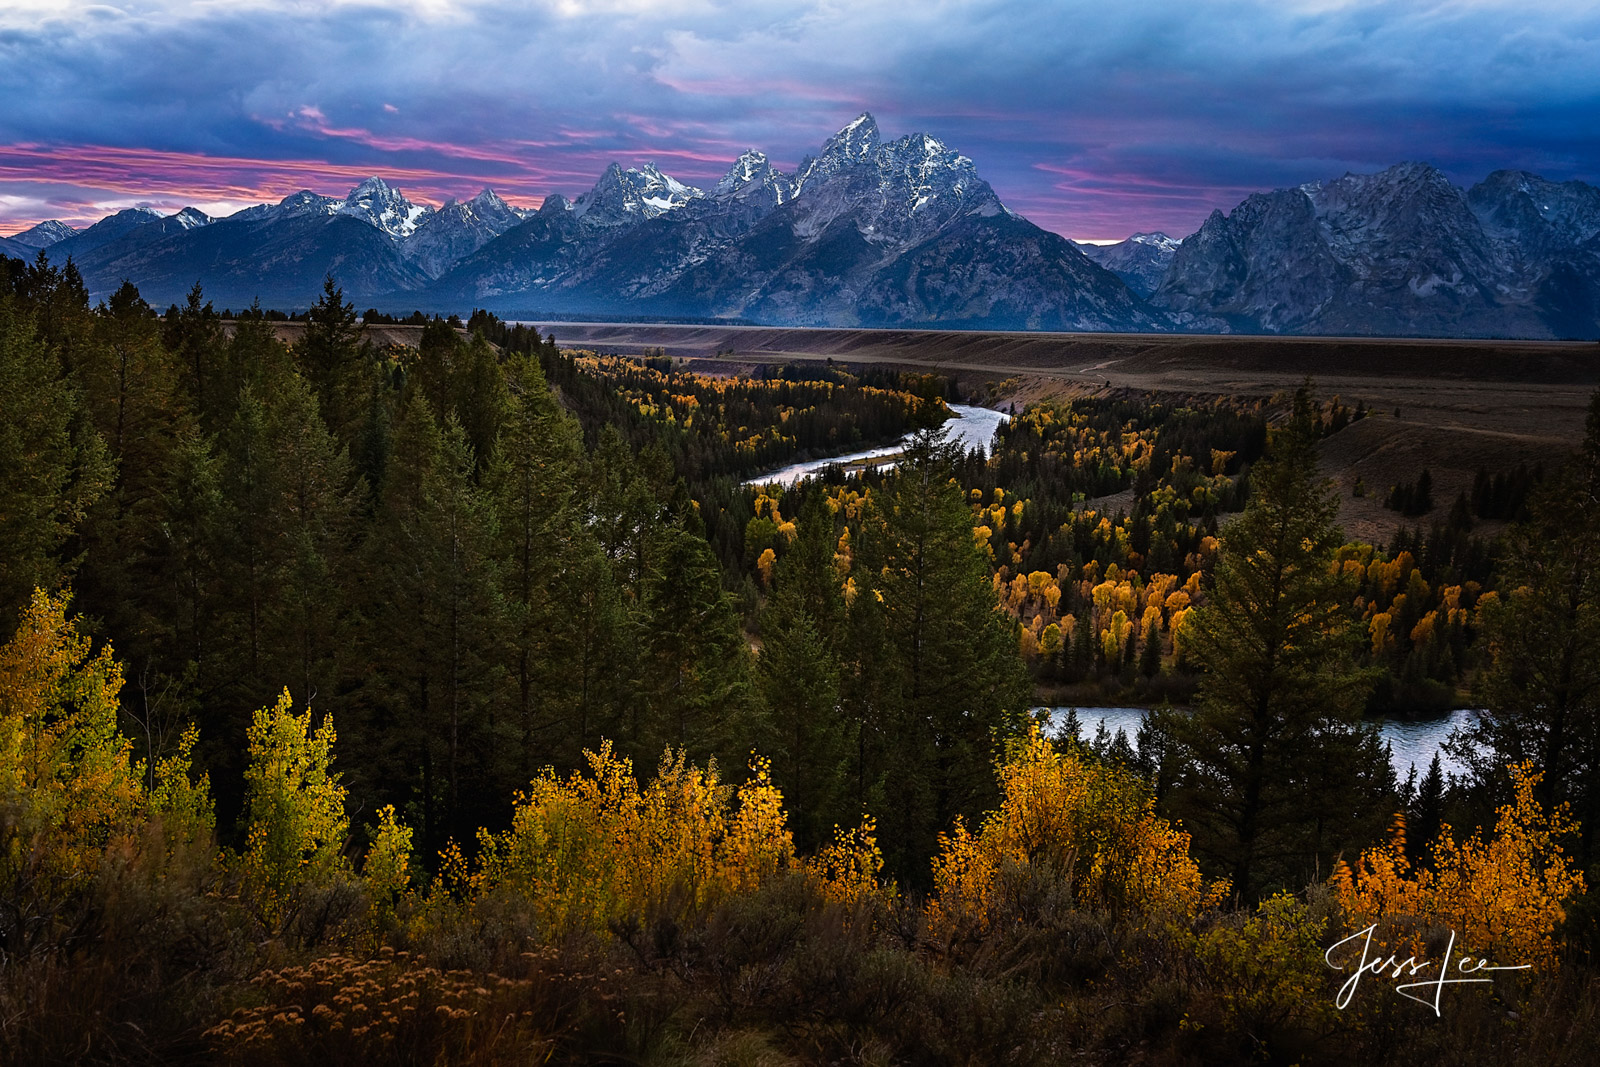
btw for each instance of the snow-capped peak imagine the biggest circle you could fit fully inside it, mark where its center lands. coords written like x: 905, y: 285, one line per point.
x: 856, y: 141
x: 190, y: 218
x: 624, y: 195
x: 1157, y: 240
x: 381, y: 204
x: 750, y: 166
x: 44, y: 235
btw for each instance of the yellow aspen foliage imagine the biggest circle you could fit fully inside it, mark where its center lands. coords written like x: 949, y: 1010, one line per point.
x: 848, y: 869
x: 1114, y: 639
x: 1503, y: 893
x: 764, y: 564
x: 1050, y: 640
x: 1092, y: 825
x: 593, y: 849
x: 294, y: 807
x: 1379, y: 629
x: 68, y: 789
x: 387, y: 868
x: 1152, y: 616
x: 183, y: 805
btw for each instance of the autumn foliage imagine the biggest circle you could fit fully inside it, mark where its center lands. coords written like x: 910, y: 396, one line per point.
x: 1503, y: 893
x: 589, y: 850
x: 1091, y: 825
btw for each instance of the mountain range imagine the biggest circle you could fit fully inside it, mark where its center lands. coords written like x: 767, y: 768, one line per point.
x: 877, y: 232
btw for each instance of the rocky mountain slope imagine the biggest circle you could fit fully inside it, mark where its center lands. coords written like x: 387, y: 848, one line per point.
x: 1141, y: 261
x: 876, y: 232
x: 867, y: 232
x: 1401, y: 252
x: 43, y: 235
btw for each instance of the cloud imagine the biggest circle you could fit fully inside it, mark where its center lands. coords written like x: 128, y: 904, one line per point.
x: 1094, y: 119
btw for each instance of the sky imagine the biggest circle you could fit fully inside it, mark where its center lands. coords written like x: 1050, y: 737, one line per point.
x: 1093, y: 119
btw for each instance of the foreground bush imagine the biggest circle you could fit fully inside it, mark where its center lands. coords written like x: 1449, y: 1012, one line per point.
x: 671, y: 921
x: 1502, y: 893
x: 589, y: 851
x: 1090, y: 827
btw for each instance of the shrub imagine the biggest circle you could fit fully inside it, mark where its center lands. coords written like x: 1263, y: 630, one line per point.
x: 1093, y: 824
x: 1502, y: 893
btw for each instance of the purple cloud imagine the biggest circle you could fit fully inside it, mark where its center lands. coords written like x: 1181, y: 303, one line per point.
x: 1094, y: 120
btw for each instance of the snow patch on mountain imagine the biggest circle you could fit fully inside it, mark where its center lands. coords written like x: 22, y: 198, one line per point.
x: 44, y: 234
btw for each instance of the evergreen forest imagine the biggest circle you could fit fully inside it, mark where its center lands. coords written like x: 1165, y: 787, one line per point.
x: 475, y: 702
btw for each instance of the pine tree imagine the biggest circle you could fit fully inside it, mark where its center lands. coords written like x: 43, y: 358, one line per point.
x: 1541, y: 689
x: 332, y: 356
x: 940, y: 660
x: 694, y: 663
x: 430, y: 590
x: 193, y: 334
x: 53, y: 464
x: 801, y: 676
x: 562, y: 616
x: 1150, y: 653
x: 1270, y: 755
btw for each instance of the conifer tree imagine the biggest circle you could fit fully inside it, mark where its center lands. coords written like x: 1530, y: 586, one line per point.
x: 193, y: 335
x: 561, y: 616
x: 53, y: 464
x: 800, y: 671
x: 432, y: 605
x: 1541, y: 689
x: 332, y: 356
x: 953, y: 687
x: 694, y: 663
x: 1270, y: 764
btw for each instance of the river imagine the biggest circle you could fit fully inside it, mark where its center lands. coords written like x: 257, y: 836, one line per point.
x: 972, y: 428
x: 1412, y: 741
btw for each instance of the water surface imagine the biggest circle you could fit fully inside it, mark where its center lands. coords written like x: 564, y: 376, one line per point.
x: 973, y: 428
x: 1412, y: 742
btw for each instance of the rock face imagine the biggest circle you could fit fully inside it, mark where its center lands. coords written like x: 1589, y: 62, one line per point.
x: 1401, y: 252
x: 279, y: 256
x: 104, y: 232
x: 876, y: 232
x: 458, y: 229
x: 1141, y: 261
x: 379, y: 203
x: 43, y: 235
x: 867, y: 232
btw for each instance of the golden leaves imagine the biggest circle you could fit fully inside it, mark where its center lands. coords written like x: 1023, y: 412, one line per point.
x: 1502, y: 893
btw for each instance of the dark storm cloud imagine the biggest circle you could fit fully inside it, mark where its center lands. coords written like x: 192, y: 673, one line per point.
x: 1093, y: 119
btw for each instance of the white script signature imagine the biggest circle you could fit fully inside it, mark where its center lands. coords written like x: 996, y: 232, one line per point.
x: 1410, y: 967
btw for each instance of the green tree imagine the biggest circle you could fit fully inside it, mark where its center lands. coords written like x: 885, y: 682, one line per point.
x: 1541, y: 689
x: 53, y: 465
x: 940, y: 680
x: 694, y: 662
x: 193, y: 334
x: 1273, y: 759
x: 333, y: 357
x: 431, y: 651
x: 563, y: 626
x: 801, y: 677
